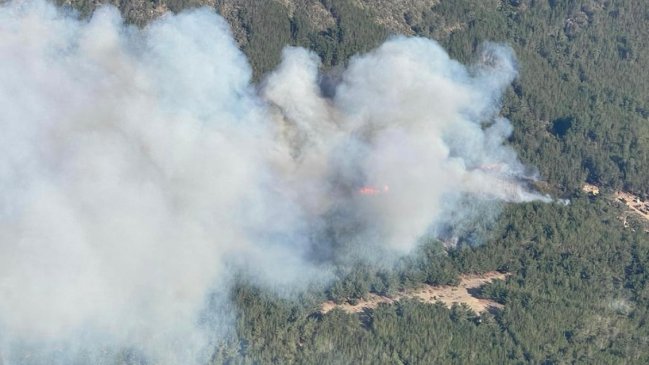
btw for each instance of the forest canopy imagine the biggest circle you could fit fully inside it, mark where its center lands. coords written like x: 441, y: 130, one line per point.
x: 578, y: 290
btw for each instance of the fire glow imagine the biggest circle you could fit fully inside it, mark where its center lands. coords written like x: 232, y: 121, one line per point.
x: 372, y: 190
x: 165, y: 174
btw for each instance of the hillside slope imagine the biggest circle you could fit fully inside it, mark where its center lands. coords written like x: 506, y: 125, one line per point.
x: 580, y: 105
x: 579, y: 289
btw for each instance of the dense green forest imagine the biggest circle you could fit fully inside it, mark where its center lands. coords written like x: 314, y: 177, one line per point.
x: 579, y: 290
x: 578, y: 294
x: 580, y: 104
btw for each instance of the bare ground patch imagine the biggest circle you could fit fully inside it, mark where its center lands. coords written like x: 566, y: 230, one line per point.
x: 464, y: 293
x: 636, y: 204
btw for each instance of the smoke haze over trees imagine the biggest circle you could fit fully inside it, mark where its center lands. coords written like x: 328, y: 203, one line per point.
x: 583, y: 60
x: 576, y: 98
x: 141, y: 169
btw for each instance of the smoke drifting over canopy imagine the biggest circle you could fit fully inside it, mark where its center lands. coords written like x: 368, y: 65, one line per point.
x: 138, y: 167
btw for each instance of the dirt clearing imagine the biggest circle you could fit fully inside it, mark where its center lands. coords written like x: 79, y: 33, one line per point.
x: 636, y: 204
x: 463, y: 293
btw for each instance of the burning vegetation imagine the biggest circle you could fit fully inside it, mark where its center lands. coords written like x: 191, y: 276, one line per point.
x: 372, y: 190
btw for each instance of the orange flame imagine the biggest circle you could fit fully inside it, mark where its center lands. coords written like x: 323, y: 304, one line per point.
x: 372, y: 190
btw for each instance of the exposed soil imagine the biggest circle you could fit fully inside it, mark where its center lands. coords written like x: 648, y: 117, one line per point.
x: 590, y: 189
x: 464, y: 293
x: 636, y: 204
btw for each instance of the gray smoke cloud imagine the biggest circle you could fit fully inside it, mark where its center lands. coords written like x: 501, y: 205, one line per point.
x: 140, y: 167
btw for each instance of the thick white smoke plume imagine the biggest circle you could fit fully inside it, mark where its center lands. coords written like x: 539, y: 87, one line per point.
x: 138, y: 166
